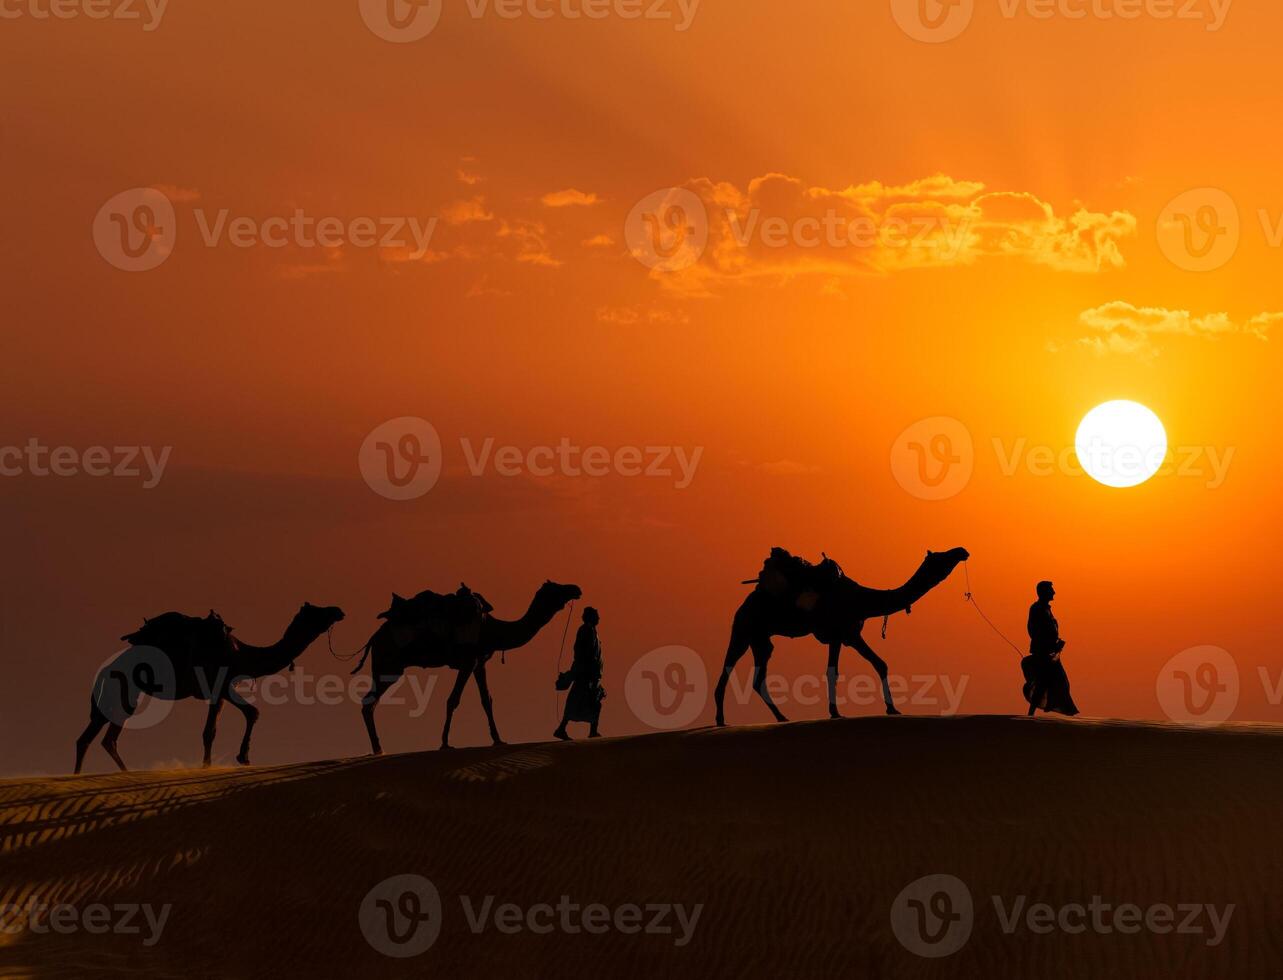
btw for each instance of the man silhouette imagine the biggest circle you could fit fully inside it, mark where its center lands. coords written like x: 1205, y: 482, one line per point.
x: 1046, y: 683
x: 583, y: 703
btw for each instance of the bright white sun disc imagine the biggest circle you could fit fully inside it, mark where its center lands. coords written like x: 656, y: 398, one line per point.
x: 1121, y: 444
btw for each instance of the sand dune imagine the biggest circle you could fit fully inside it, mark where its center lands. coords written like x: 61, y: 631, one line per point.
x: 795, y: 842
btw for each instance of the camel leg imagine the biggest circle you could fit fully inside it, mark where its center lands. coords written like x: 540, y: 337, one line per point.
x: 251, y: 716
x: 452, y: 702
x: 734, y: 653
x: 379, y: 685
x: 96, y: 722
x: 211, y: 729
x: 109, y: 743
x: 483, y: 688
x: 834, y: 650
x: 866, y: 651
x: 761, y: 657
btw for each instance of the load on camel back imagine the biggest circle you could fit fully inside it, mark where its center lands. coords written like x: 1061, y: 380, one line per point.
x: 796, y: 582
x: 195, y: 640
x: 457, y: 617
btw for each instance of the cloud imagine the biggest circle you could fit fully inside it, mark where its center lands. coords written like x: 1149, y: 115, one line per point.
x: 627, y: 316
x: 1121, y: 328
x: 466, y: 212
x: 531, y: 241
x: 569, y: 198
x: 779, y: 227
x: 599, y: 241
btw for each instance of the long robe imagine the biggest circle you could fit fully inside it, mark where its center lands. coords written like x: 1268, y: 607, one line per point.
x: 1045, y: 677
x: 583, y: 703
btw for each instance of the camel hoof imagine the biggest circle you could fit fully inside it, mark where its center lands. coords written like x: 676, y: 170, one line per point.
x: 446, y: 747
x: 499, y: 741
x: 834, y: 714
x: 243, y: 760
x: 891, y: 710
x: 376, y: 752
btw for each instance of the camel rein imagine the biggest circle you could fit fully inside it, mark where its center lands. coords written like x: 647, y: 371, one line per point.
x: 340, y: 657
x: 970, y: 597
x: 570, y: 614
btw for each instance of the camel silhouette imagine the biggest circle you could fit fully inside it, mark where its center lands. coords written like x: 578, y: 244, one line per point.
x: 391, y: 652
x: 206, y: 666
x: 836, y: 619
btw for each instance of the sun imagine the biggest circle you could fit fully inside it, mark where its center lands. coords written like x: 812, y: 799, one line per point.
x: 1121, y: 444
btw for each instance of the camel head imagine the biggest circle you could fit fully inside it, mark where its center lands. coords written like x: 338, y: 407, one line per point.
x: 553, y: 595
x: 939, y: 565
x: 315, y: 620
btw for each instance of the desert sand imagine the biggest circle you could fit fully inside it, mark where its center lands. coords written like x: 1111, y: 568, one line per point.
x: 795, y: 839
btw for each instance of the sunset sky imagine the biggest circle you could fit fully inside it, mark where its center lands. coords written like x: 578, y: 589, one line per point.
x: 1044, y: 165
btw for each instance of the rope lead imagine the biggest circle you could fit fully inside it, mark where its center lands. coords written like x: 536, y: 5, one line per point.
x: 969, y: 596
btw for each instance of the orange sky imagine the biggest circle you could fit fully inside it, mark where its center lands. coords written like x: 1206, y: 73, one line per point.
x: 1054, y: 144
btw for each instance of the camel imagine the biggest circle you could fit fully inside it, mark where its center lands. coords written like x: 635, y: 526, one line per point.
x: 391, y: 653
x: 836, y: 620
x: 207, y: 668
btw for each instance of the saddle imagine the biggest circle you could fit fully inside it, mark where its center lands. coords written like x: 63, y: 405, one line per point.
x: 801, y: 583
x: 457, y: 617
x: 184, y: 636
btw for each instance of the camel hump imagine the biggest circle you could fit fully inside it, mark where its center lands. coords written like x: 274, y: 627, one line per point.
x: 786, y: 574
x: 174, y: 631
x: 457, y: 617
